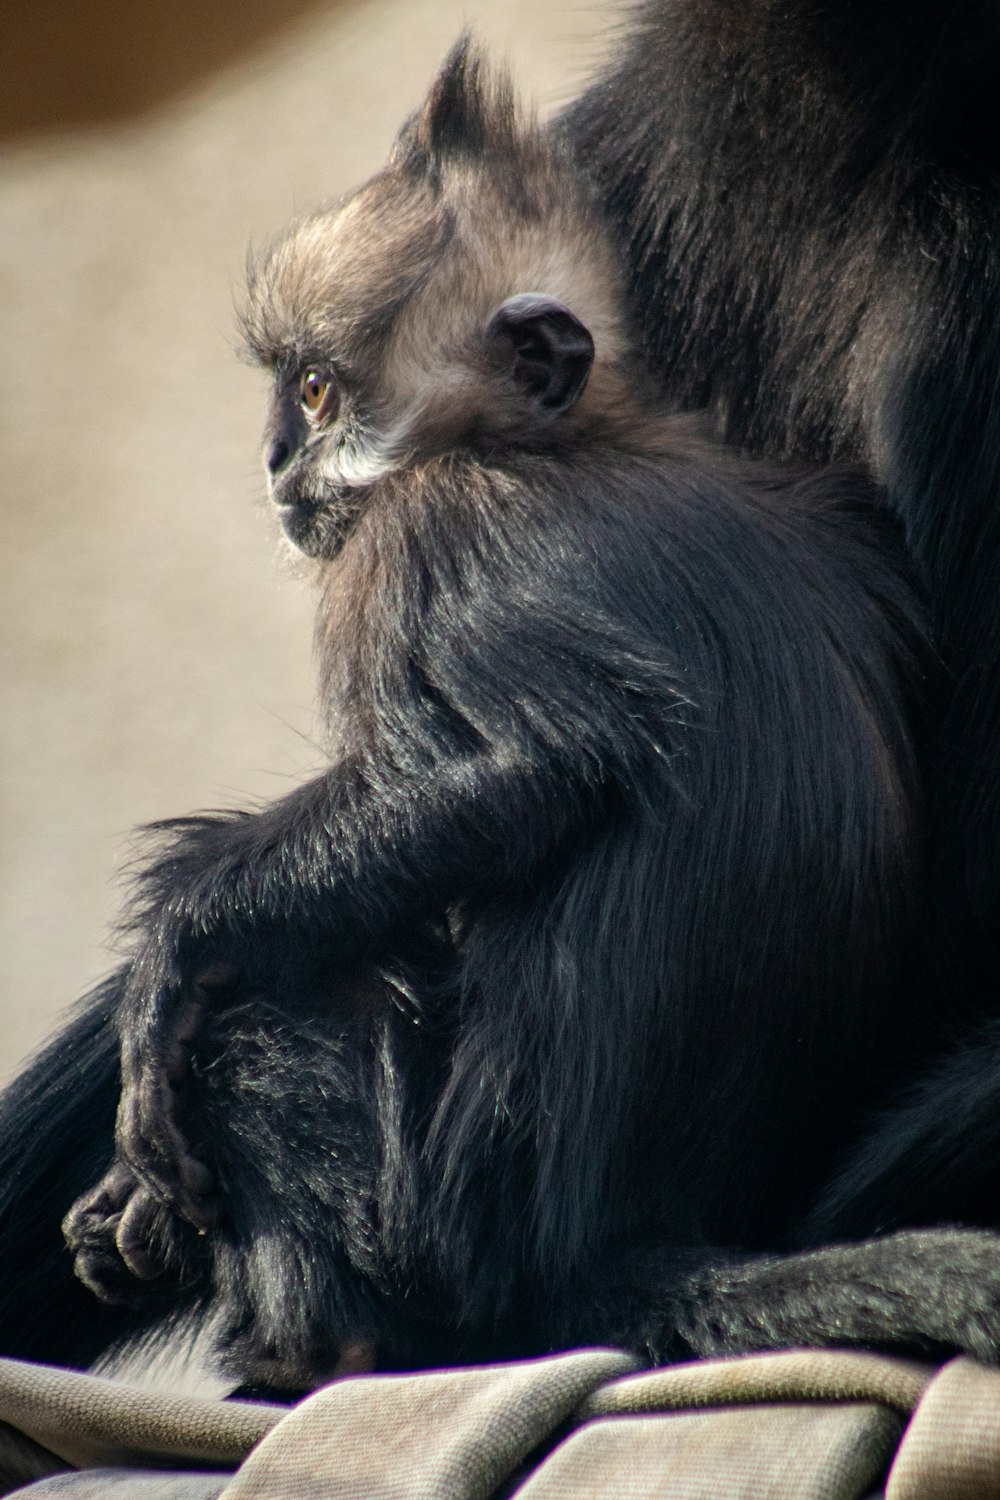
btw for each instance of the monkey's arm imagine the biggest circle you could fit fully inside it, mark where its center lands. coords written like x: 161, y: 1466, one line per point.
x: 323, y: 879
x: 56, y: 1135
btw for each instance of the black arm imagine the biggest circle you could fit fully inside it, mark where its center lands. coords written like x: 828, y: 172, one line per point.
x: 56, y: 1137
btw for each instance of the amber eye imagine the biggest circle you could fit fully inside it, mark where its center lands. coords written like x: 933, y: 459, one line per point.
x: 317, y: 396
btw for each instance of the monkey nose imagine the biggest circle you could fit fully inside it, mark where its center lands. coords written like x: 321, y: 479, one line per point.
x: 278, y: 455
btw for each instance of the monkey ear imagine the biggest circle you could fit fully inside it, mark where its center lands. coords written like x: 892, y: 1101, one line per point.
x: 545, y: 347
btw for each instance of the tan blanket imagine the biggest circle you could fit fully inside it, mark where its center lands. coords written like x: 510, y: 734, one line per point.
x: 804, y: 1425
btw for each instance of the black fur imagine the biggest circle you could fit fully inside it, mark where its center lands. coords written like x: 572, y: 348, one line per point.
x: 585, y: 745
x: 624, y: 824
x: 813, y: 247
x: 929, y: 1158
x: 813, y: 251
x: 56, y: 1121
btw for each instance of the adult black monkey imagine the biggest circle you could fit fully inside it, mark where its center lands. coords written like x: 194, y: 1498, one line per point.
x: 813, y: 246
x: 737, y: 343
x: 812, y: 239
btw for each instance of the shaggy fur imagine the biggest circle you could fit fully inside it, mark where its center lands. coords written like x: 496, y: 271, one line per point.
x: 814, y: 246
x: 585, y: 957
x: 813, y: 253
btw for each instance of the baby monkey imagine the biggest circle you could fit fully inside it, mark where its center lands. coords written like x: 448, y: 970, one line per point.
x: 540, y: 1016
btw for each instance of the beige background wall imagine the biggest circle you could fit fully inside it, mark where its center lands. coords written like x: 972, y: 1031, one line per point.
x: 154, y: 654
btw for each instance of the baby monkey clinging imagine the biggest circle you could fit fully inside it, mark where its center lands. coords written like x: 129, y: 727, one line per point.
x: 577, y: 962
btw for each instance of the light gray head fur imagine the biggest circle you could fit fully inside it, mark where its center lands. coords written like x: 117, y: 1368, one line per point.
x: 390, y: 294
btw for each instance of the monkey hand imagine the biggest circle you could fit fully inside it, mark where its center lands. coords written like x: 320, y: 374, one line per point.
x: 210, y: 933
x: 128, y: 1248
x: 172, y: 986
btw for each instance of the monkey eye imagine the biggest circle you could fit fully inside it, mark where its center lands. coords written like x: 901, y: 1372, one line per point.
x: 317, y: 395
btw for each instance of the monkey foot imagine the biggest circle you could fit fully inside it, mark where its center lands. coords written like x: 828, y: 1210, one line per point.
x: 123, y: 1239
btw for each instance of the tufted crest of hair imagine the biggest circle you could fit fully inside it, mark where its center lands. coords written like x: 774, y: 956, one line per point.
x: 471, y: 113
x: 395, y: 285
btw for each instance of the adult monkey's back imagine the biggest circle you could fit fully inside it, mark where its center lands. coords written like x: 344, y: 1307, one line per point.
x: 768, y: 226
x: 814, y: 250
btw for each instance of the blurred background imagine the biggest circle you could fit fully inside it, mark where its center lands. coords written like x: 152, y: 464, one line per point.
x: 154, y: 647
